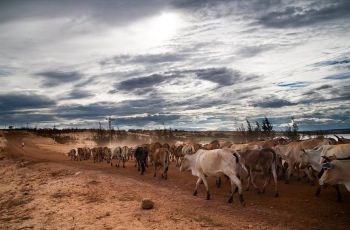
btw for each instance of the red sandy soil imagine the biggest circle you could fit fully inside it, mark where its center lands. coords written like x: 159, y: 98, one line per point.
x: 40, y: 188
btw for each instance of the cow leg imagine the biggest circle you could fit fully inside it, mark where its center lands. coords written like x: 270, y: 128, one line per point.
x: 339, y: 196
x: 235, y: 180
x: 123, y: 163
x: 218, y: 182
x: 289, y: 172
x: 308, y: 174
x: 166, y: 172
x: 206, y: 186
x: 155, y: 170
x: 143, y: 167
x: 318, y: 191
x: 197, y: 183
x: 253, y: 181
x: 248, y: 180
x: 230, y: 200
x: 274, y: 174
x: 267, y: 181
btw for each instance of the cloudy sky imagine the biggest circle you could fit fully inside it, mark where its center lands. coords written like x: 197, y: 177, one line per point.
x: 190, y: 64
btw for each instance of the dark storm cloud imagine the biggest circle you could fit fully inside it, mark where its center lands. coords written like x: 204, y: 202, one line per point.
x: 271, y: 102
x: 109, y: 12
x: 99, y: 110
x: 324, y: 87
x: 221, y: 76
x: 20, y: 119
x: 140, y: 82
x: 149, y: 119
x: 196, y: 4
x: 53, y: 78
x: 251, y: 51
x: 297, y: 16
x: 78, y: 94
x: 333, y: 62
x: 339, y: 76
x: 13, y: 102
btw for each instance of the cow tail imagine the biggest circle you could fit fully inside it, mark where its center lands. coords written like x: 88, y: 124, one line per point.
x: 238, y: 161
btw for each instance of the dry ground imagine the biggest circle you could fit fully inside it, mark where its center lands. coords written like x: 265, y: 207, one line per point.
x: 41, y: 189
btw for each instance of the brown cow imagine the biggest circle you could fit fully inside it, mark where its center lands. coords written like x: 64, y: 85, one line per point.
x: 263, y: 160
x: 161, y: 159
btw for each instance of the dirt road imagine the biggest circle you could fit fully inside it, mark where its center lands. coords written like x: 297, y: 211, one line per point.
x: 41, y: 188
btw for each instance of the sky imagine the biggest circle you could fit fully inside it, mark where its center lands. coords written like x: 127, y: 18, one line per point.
x: 180, y: 64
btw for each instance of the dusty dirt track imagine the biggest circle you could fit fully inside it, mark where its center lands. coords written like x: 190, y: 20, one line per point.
x: 40, y: 188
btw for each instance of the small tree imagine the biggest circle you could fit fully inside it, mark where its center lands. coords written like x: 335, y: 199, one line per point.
x: 257, y: 129
x: 267, y: 127
x: 249, y: 127
x: 292, y: 130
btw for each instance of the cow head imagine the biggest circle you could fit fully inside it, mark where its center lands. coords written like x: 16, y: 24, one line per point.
x: 331, y: 173
x: 304, y: 158
x: 185, y: 163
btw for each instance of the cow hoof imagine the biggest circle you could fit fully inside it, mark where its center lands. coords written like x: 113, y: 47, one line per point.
x: 208, y: 196
x: 339, y: 200
x: 154, y: 175
x: 166, y: 177
x: 195, y: 193
x: 230, y: 200
x: 247, y: 189
x: 276, y: 194
x: 241, y: 200
x: 236, y: 190
x: 286, y: 182
x: 263, y: 191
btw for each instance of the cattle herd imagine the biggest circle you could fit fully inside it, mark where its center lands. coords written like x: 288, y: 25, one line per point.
x: 323, y: 161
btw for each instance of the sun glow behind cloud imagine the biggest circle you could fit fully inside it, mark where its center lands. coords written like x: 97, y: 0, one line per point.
x: 156, y: 30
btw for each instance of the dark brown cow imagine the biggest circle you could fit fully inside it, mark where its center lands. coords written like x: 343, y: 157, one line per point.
x: 265, y: 161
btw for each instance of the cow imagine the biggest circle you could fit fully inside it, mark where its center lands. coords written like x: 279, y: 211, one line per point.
x: 264, y: 160
x: 95, y: 154
x: 81, y: 154
x: 119, y: 155
x: 322, y: 161
x: 226, y: 144
x: 178, y: 155
x: 107, y: 154
x: 141, y: 155
x: 71, y: 154
x: 292, y: 154
x: 87, y: 153
x: 336, y: 171
x: 152, y: 149
x: 243, y: 147
x: 213, y: 163
x: 161, y: 159
x: 212, y: 145
x: 188, y: 149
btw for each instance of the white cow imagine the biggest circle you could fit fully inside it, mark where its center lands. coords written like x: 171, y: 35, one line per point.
x: 214, y: 163
x: 293, y: 154
x: 119, y: 156
x: 335, y: 170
